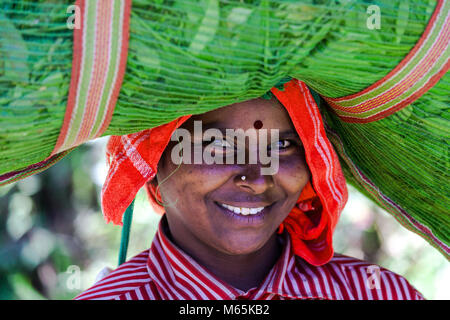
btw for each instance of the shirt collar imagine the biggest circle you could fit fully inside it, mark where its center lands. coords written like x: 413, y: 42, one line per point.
x: 179, y: 276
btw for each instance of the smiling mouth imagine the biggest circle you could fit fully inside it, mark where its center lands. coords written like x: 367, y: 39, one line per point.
x: 242, y: 210
x: 244, y: 215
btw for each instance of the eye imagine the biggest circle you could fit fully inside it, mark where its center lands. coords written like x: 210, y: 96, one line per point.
x: 219, y: 144
x: 282, y: 144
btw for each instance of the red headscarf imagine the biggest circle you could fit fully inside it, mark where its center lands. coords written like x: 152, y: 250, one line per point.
x: 133, y: 161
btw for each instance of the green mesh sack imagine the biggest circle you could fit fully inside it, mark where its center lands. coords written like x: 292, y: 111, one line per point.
x: 378, y: 68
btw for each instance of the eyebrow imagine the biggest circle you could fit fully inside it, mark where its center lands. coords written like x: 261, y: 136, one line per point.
x: 289, y: 133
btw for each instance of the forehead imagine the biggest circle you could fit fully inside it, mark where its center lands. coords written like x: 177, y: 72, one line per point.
x: 270, y: 113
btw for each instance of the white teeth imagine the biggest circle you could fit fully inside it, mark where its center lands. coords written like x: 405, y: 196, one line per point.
x: 243, y: 211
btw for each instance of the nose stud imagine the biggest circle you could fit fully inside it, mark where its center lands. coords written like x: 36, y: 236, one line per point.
x: 243, y: 178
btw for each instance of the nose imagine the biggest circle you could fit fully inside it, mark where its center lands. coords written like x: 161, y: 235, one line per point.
x: 255, y: 182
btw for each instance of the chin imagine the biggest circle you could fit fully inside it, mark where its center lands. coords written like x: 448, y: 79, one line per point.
x: 238, y: 245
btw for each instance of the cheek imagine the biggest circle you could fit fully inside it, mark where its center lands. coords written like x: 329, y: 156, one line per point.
x: 293, y: 174
x: 192, y: 179
x: 201, y: 180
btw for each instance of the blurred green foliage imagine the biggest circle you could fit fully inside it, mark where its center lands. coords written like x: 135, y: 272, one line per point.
x: 54, y: 241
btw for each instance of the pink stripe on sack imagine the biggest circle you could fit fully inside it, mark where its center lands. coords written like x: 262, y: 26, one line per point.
x: 98, y: 76
x: 436, y: 51
x: 405, y: 61
x: 124, y: 35
x: 75, y: 79
x: 97, y: 82
x: 422, y: 69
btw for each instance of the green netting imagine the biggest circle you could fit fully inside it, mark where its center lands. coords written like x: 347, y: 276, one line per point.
x: 192, y: 56
x: 35, y: 69
x: 407, y: 161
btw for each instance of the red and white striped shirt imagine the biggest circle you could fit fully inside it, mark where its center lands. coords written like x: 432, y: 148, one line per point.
x: 165, y: 272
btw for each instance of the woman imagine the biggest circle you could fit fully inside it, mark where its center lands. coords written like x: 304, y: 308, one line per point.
x: 230, y: 230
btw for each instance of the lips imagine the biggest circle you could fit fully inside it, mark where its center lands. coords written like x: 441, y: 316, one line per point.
x: 242, y: 210
x: 255, y: 215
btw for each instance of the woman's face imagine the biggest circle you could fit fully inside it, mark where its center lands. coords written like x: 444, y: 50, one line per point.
x: 196, y: 192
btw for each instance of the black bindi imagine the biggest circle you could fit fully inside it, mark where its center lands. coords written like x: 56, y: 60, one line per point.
x: 258, y: 124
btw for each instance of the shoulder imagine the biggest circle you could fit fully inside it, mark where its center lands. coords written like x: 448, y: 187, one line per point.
x: 130, y: 281
x: 363, y: 280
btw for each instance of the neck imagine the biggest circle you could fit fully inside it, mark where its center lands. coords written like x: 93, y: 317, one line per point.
x: 244, y: 271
